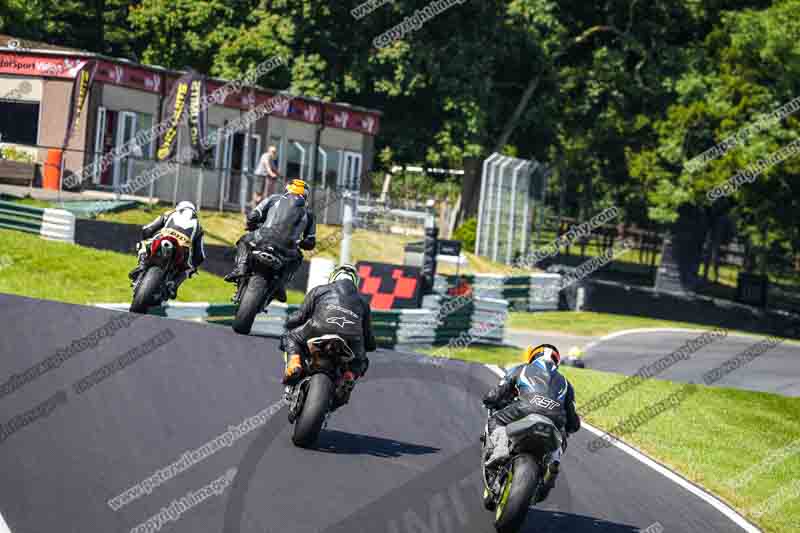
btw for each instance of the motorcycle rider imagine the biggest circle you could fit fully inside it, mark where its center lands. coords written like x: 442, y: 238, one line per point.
x: 183, y: 224
x: 335, y: 308
x: 284, y: 221
x: 532, y: 388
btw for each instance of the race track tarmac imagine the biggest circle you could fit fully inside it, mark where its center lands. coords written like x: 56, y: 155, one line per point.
x: 776, y: 371
x: 403, y: 457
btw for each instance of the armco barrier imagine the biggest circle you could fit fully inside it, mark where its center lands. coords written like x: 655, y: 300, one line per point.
x: 535, y: 292
x: 53, y: 224
x: 406, y: 327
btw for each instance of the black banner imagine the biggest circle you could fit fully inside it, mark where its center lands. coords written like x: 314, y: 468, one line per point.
x: 198, y: 119
x: 448, y: 247
x: 77, y: 97
x: 429, y: 258
x: 175, y: 107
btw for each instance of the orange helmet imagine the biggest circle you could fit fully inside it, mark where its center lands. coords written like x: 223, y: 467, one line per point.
x: 547, y: 350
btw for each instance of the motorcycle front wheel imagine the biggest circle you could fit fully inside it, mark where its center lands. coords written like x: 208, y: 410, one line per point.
x: 146, y: 290
x: 517, y: 494
x: 309, y: 422
x: 251, y: 304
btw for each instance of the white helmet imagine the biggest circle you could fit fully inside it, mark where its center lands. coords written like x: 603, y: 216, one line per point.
x: 186, y: 205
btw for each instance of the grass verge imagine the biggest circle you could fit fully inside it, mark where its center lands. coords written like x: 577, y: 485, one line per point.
x: 38, y: 268
x: 588, y: 323
x: 712, y: 438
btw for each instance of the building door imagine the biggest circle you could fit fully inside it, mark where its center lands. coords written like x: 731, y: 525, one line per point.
x: 126, y: 131
x: 99, y: 134
x: 233, y: 165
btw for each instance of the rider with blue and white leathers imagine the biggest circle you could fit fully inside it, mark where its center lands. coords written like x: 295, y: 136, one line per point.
x: 184, y: 221
x: 285, y: 221
x: 336, y: 308
x: 533, y: 388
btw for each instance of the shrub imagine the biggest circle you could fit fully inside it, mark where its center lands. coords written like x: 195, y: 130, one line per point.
x: 13, y: 154
x: 466, y: 234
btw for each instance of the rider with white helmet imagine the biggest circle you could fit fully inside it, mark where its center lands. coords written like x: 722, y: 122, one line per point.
x: 183, y: 222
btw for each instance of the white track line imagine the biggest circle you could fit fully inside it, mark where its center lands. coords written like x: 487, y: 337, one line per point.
x: 710, y: 499
x: 3, y: 525
x: 616, y: 334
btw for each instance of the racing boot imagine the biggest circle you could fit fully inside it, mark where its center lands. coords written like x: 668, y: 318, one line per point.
x: 294, y: 369
x: 134, y: 274
x: 172, y: 286
x: 345, y: 389
x: 499, y: 446
x: 549, y: 481
x: 280, y: 294
x: 241, y: 264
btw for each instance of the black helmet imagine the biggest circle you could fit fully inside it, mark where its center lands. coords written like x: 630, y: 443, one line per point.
x: 344, y: 272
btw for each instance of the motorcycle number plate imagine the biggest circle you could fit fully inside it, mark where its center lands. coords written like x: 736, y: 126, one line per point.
x: 182, y: 239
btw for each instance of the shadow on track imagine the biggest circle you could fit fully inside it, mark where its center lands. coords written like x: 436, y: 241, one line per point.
x: 340, y: 442
x: 540, y: 521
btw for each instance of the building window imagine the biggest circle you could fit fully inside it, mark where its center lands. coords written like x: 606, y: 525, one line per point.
x: 19, y: 122
x: 144, y: 123
x: 298, y: 161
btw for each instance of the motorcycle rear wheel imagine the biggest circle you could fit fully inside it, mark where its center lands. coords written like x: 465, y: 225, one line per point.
x: 251, y: 304
x: 517, y: 494
x: 146, y: 290
x: 309, y: 422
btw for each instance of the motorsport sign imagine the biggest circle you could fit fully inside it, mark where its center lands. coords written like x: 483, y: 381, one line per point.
x: 77, y: 98
x: 189, y: 90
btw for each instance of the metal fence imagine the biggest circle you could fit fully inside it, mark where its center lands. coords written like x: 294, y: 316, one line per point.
x: 512, y: 194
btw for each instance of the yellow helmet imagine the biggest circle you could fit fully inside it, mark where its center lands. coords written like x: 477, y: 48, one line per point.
x: 298, y: 187
x: 547, y: 350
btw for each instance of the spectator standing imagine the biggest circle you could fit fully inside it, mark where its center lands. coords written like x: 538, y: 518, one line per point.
x: 268, y: 168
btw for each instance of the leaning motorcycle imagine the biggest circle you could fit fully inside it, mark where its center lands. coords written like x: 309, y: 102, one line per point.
x: 322, y: 390
x: 511, y: 486
x: 166, y: 258
x: 255, y: 291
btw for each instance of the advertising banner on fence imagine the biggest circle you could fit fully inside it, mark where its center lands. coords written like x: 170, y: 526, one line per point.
x: 78, y: 96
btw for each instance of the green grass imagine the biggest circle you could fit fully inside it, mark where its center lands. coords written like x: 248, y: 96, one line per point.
x: 488, y: 355
x: 588, y: 323
x: 591, y: 324
x: 75, y: 274
x: 712, y: 437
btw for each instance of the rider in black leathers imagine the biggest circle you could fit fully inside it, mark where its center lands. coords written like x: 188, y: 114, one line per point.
x: 335, y: 308
x: 536, y: 387
x: 285, y: 221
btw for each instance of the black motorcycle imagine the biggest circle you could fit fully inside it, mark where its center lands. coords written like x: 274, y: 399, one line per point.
x: 511, y: 486
x: 166, y: 257
x: 255, y: 291
x: 322, y: 390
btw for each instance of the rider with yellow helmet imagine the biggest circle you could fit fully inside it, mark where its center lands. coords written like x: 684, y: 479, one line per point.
x: 286, y: 222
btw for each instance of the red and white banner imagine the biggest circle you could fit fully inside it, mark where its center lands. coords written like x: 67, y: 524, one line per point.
x: 35, y: 65
x: 347, y: 119
x: 128, y: 76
